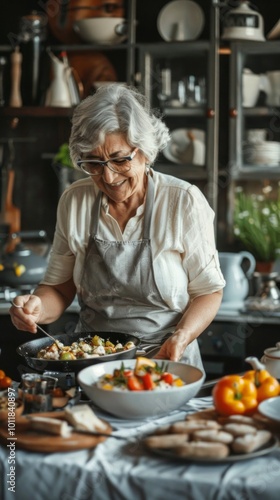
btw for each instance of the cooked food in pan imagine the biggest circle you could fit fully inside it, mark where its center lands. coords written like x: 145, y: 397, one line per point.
x: 89, y: 347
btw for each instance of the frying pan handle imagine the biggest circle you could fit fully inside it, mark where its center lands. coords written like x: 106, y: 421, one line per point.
x: 149, y: 351
x: 29, y: 234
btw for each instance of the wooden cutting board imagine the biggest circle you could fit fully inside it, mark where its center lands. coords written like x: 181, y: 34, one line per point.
x: 31, y: 440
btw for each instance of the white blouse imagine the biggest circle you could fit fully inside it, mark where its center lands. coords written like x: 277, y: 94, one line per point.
x: 185, y: 258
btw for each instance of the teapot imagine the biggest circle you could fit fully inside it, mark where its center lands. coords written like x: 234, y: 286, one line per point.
x: 237, y: 285
x: 243, y: 23
x: 271, y: 360
x: 22, y: 266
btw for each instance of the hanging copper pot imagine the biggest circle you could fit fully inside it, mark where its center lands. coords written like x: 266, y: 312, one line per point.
x: 62, y: 14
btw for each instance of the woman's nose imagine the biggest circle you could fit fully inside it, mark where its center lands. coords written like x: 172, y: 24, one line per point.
x: 108, y: 174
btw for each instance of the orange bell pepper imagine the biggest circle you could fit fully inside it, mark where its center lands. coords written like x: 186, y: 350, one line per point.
x: 233, y: 394
x: 266, y: 385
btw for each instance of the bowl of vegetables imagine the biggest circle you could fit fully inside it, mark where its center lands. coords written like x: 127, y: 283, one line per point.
x: 141, y: 388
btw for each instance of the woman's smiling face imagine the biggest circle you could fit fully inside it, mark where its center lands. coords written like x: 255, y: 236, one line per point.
x: 119, y: 186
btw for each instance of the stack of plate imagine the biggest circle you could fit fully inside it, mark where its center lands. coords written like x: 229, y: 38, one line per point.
x: 263, y: 153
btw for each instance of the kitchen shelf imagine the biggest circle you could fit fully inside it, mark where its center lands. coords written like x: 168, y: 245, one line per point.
x: 36, y: 111
x: 52, y: 125
x: 261, y: 111
x: 251, y: 172
x: 187, y: 112
x: 182, y: 171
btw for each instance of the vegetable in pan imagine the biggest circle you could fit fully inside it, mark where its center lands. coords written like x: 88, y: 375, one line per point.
x: 89, y: 347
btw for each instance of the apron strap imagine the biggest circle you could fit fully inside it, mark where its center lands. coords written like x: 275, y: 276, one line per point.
x: 148, y: 210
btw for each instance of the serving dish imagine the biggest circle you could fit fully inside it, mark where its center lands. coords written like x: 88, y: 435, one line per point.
x: 207, y: 417
x: 270, y: 408
x: 140, y: 404
x: 180, y: 20
x: 29, y: 351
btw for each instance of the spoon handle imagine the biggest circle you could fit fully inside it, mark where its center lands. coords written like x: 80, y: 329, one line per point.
x: 46, y: 333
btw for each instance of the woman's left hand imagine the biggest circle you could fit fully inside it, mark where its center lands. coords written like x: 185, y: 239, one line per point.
x: 174, y: 347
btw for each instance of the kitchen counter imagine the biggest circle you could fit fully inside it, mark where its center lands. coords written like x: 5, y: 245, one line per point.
x: 123, y: 470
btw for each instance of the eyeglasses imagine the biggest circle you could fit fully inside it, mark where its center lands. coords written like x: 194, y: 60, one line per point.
x: 120, y: 165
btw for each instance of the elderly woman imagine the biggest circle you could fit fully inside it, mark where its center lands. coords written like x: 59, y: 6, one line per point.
x: 136, y: 246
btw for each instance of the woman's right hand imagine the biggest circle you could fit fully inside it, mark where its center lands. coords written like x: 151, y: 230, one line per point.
x: 25, y: 312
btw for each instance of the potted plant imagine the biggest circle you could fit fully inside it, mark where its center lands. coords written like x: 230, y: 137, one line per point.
x: 257, y: 226
x: 63, y: 166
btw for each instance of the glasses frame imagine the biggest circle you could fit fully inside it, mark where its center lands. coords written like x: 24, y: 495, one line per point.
x: 105, y: 163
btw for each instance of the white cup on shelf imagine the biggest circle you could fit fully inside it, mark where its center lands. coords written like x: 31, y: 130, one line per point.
x: 251, y: 87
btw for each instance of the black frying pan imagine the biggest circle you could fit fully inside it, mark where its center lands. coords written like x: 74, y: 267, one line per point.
x: 30, y: 349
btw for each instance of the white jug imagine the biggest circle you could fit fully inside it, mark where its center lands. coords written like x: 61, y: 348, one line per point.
x: 271, y: 81
x: 237, y: 285
x: 252, y: 84
x: 58, y: 93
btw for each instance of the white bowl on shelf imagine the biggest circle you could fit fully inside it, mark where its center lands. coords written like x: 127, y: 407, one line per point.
x: 102, y: 30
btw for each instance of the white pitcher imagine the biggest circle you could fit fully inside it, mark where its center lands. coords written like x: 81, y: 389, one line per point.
x: 237, y: 285
x: 58, y: 93
x: 252, y: 84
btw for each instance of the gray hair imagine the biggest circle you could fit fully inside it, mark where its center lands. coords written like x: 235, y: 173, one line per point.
x: 116, y: 108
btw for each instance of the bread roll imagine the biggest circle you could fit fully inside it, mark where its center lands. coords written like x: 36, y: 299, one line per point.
x: 251, y: 442
x: 50, y: 426
x: 188, y: 426
x: 213, y: 435
x: 165, y: 440
x: 202, y: 450
x: 239, y: 429
x: 238, y: 419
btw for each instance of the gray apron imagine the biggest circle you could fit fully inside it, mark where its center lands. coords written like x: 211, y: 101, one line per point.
x: 118, y: 291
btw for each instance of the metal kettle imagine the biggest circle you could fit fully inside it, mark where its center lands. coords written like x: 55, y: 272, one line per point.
x: 22, y: 266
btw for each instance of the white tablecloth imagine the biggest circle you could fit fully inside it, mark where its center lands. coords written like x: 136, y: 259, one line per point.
x: 121, y: 470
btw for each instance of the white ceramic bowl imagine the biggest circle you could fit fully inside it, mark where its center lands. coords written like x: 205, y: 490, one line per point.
x: 101, y: 30
x: 140, y: 404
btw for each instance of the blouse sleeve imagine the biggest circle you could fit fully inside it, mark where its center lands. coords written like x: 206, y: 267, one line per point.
x: 61, y: 260
x: 201, y: 257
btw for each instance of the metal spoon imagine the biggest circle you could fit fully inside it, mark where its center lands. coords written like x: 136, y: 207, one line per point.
x: 40, y: 328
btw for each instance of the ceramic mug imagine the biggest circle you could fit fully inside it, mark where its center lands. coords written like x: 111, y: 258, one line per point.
x: 272, y: 87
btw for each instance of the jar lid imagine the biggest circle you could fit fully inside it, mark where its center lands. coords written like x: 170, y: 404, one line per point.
x: 273, y: 352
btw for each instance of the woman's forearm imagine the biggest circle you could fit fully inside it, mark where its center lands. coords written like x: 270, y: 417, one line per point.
x: 55, y: 299
x: 199, y: 314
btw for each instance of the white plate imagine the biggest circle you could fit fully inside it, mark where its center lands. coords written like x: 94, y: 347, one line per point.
x: 180, y: 141
x: 180, y: 20
x: 270, y: 408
